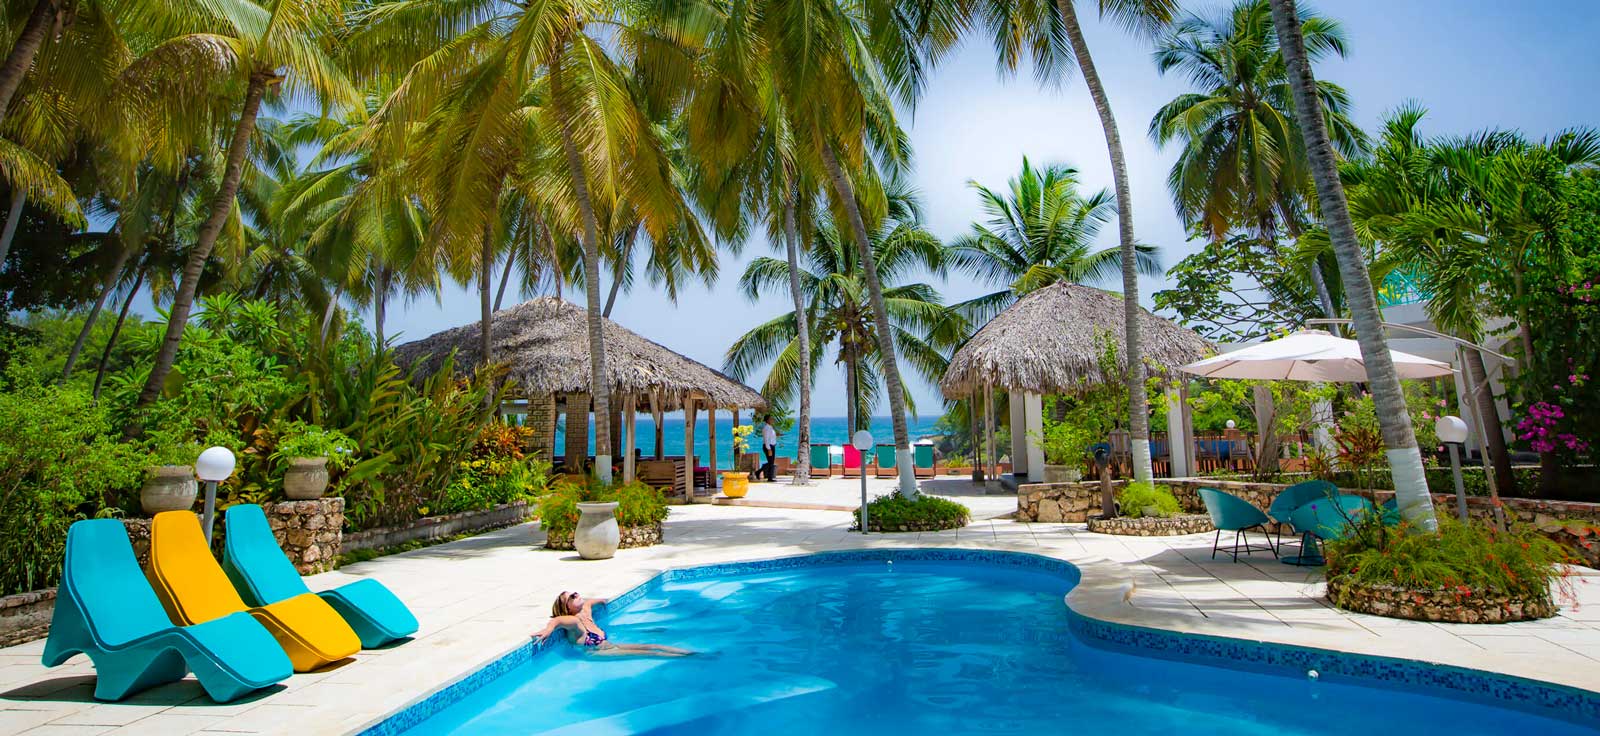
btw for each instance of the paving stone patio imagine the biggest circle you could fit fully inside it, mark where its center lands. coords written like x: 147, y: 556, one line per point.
x: 480, y: 597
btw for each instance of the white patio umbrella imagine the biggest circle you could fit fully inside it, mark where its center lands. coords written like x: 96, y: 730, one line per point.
x: 1309, y: 356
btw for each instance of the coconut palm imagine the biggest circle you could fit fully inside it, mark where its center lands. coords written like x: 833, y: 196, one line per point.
x: 254, y: 49
x: 558, y: 100
x: 1040, y: 231
x: 1405, y: 461
x: 1242, y: 163
x: 833, y: 282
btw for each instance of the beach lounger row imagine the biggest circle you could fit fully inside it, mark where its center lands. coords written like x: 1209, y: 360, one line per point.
x: 241, y: 625
x: 881, y: 462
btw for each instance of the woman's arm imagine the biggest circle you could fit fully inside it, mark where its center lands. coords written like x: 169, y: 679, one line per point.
x: 589, y: 603
x: 554, y: 622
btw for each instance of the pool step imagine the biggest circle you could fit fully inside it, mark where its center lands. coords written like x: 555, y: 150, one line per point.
x: 683, y: 710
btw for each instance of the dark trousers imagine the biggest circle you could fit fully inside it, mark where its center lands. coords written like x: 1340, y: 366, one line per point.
x: 770, y: 470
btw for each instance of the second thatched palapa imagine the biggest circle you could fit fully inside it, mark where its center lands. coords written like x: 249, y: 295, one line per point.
x: 1049, y: 342
x: 545, y: 344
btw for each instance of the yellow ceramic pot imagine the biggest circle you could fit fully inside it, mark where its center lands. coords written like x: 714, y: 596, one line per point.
x: 735, y: 485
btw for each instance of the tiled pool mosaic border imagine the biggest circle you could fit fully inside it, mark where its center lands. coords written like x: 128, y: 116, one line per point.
x: 1547, y: 699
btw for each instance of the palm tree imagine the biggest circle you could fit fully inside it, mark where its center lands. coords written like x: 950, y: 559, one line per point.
x: 837, y: 302
x: 1243, y: 164
x: 260, y: 48
x: 1405, y: 461
x: 1039, y: 232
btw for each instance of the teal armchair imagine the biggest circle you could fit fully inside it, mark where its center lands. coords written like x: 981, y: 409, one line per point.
x: 1231, y: 513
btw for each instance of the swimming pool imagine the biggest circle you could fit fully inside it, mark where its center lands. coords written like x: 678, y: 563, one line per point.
x: 951, y: 642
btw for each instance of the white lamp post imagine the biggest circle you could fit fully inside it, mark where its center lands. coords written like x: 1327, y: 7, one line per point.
x: 1453, y: 433
x: 862, y: 441
x: 213, y: 467
x: 1230, y: 424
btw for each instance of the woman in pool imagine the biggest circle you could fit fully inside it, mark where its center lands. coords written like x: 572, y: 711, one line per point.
x: 575, y: 613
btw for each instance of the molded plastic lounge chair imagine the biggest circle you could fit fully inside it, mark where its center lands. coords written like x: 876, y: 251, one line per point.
x: 852, y: 462
x: 1324, y: 519
x: 263, y: 575
x: 821, y: 462
x: 194, y: 590
x: 922, y: 463
x: 1231, y: 513
x: 106, y: 610
x: 1294, y: 497
x: 886, y: 462
x: 1391, y: 511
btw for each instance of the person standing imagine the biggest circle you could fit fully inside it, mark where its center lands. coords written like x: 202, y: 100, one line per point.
x: 769, y: 447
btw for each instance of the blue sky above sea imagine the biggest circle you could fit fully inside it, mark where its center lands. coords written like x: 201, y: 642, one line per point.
x: 1474, y: 63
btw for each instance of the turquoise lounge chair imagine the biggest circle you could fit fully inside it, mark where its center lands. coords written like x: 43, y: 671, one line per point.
x: 821, y: 462
x: 1294, y: 497
x: 922, y: 463
x: 264, y: 576
x: 886, y: 462
x: 1325, y: 519
x: 1231, y: 513
x: 106, y: 609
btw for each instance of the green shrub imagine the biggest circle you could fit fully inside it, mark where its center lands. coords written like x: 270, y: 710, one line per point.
x: 298, y: 439
x: 924, y: 513
x: 637, y: 504
x: 1065, y: 442
x: 58, y: 463
x: 1135, y: 498
x: 1468, y: 558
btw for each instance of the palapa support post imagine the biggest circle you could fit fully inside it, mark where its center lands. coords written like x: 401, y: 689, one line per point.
x: 992, y: 477
x: 733, y: 449
x: 711, y: 444
x: 630, y: 440
x: 656, y: 414
x: 688, y: 446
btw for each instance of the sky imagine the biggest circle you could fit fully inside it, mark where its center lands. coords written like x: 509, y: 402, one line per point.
x: 1474, y: 64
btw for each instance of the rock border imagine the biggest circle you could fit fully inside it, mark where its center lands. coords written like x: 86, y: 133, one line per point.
x: 931, y: 526
x: 632, y: 537
x: 1152, y: 526
x: 1440, y: 605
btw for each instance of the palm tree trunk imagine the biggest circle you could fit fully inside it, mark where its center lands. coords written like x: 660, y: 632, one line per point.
x: 611, y: 298
x: 880, y: 318
x: 851, y: 390
x: 598, y: 386
x: 221, y: 207
x: 1138, y: 402
x: 505, y: 278
x: 328, y: 312
x: 1494, y: 442
x: 1405, y: 462
x: 116, y: 330
x: 106, y: 285
x: 19, y: 197
x: 802, y: 469
x: 380, y: 304
x: 27, y: 46
x: 485, y: 284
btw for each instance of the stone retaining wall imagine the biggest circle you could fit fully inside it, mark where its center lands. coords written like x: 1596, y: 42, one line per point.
x: 632, y: 537
x: 1054, y: 503
x: 433, y: 527
x: 1436, y: 605
x: 26, y: 616
x: 1153, y: 526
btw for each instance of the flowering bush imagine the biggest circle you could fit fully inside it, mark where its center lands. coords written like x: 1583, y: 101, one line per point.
x: 1467, y: 559
x: 1541, y: 429
x: 497, y: 471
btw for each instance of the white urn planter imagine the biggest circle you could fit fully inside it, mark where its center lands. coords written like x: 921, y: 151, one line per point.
x: 168, y: 488
x: 306, y: 479
x: 597, y: 535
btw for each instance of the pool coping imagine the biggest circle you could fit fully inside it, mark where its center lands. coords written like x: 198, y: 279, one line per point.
x: 1102, y: 610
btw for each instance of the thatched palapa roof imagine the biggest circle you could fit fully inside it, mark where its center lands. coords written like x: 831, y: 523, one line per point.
x: 1047, y: 342
x: 545, y: 342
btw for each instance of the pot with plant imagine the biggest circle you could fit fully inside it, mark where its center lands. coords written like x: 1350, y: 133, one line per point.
x: 1065, y: 446
x: 309, y: 454
x: 736, y: 483
x: 169, y: 480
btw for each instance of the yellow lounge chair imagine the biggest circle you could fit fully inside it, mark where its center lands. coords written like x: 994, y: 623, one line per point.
x: 194, y: 590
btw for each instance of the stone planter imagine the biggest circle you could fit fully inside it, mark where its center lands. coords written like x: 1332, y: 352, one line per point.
x: 168, y: 488
x: 1152, y: 526
x: 597, y: 535
x: 1448, y: 606
x: 1062, y: 473
x: 632, y: 537
x: 307, y: 478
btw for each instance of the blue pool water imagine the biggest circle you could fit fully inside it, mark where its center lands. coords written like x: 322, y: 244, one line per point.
x: 941, y: 647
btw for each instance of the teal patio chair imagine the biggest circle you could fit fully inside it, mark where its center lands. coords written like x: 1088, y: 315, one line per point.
x: 1294, y: 497
x: 922, y: 463
x: 106, y: 609
x: 1323, y: 520
x: 821, y: 462
x: 1231, y: 513
x: 263, y: 575
x: 887, y: 467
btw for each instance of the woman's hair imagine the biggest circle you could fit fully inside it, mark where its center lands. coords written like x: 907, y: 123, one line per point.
x: 559, y: 608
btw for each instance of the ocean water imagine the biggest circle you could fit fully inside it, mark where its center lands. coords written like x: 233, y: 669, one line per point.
x: 830, y: 430
x: 944, y: 648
